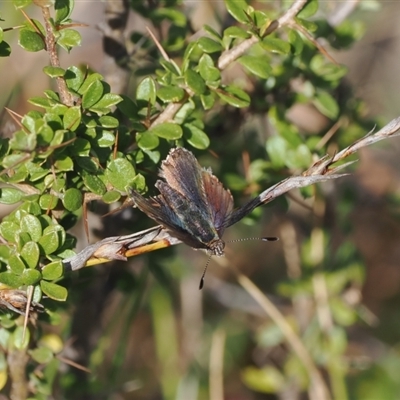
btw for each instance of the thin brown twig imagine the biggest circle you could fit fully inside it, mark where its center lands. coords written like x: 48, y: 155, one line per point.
x: 158, y: 44
x: 65, y: 95
x: 73, y: 364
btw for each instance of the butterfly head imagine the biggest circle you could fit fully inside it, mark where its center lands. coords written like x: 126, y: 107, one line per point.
x: 216, y: 247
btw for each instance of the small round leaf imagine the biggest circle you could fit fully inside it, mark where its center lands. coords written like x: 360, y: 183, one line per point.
x: 146, y: 91
x: 54, y: 291
x: 53, y: 270
x: 93, y: 94
x: 9, y: 195
x: 73, y: 199
x: 120, y: 173
x: 31, y: 224
x: 42, y: 355
x: 30, y: 40
x: 49, y: 242
x: 16, y: 264
x: 111, y: 197
x: 21, y: 337
x: 30, y: 254
x: 167, y: 130
x: 48, y: 201
x: 31, y: 277
x: 196, y: 137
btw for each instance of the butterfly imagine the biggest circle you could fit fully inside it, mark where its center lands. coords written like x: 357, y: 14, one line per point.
x: 193, y: 205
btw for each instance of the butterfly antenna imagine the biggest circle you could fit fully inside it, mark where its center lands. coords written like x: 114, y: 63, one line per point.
x: 264, y: 239
x: 204, y: 274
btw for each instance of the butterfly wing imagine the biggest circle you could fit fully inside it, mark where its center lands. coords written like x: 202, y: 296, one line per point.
x: 219, y: 200
x: 160, y: 211
x: 199, y: 229
x: 183, y: 173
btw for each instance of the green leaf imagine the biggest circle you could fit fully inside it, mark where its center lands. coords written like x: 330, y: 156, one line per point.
x: 300, y: 157
x: 72, y: 118
x: 326, y: 104
x: 10, y: 279
x: 207, y: 100
x: 53, y: 72
x: 120, y: 173
x: 73, y: 199
x: 146, y: 91
x: 209, y: 45
x: 89, y: 79
x: 17, y: 266
x: 87, y: 164
x: 31, y: 277
x: 93, y: 94
x: 30, y: 254
x: 277, y: 148
x: 167, y: 130
x: 105, y: 139
x: 21, y: 3
x: 309, y: 9
x: 111, y: 197
x: 9, y: 195
x: 21, y: 338
x: 196, y: 137
x: 127, y: 106
x: 107, y: 101
x: 49, y: 242
x: 48, y: 201
x: 31, y: 225
x: 171, y: 66
x: 93, y: 183
x: 64, y: 163
x: 54, y: 291
x: 147, y: 140
x: 13, y: 160
x: 5, y: 251
x: 194, y: 81
x: 69, y: 38
x: 8, y: 230
x: 207, y: 70
x: 236, y: 32
x: 24, y: 141
x: 234, y: 96
x: 63, y: 10
x: 40, y: 102
x: 30, y: 41
x: 266, y: 380
x: 5, y: 49
x: 177, y: 17
x: 81, y: 147
x: 170, y: 94
x: 53, y: 270
x: 74, y: 78
x: 42, y: 355
x: 108, y: 122
x: 212, y: 32
x: 308, y: 25
x: 257, y: 65
x: 296, y: 41
x: 238, y: 9
x: 275, y: 45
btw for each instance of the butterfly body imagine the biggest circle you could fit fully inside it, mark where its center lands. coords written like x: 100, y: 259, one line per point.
x: 193, y: 205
